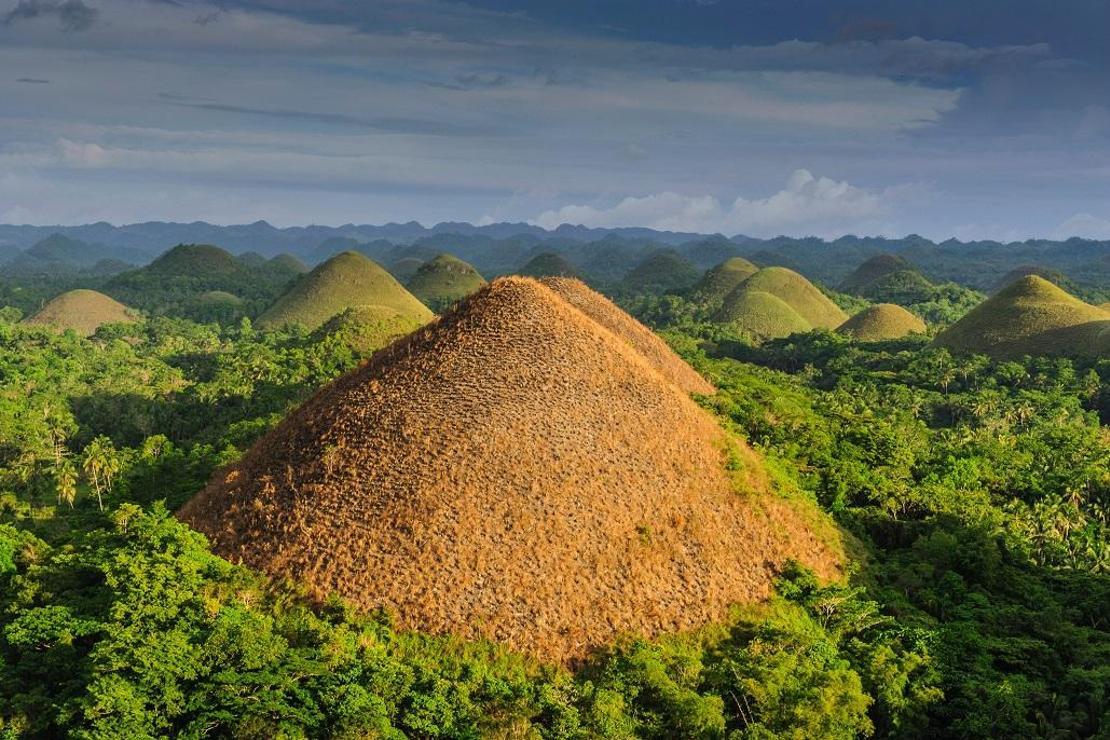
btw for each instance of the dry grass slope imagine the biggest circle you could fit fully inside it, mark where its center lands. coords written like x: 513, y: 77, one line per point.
x: 721, y: 280
x: 346, y: 280
x: 513, y: 472
x: 644, y: 340
x: 83, y: 311
x: 1030, y: 317
x: 882, y: 321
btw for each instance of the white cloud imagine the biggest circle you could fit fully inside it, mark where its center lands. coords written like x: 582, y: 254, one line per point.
x: 806, y: 205
x: 1083, y: 225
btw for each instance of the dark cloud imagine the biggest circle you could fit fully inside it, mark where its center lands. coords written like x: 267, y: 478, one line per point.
x: 73, y: 15
x: 385, y: 124
x: 33, y: 81
x: 473, y: 82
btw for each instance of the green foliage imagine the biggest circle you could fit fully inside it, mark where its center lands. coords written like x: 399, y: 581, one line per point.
x: 976, y: 491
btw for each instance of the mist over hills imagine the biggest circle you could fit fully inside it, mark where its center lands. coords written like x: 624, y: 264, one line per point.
x: 602, y: 254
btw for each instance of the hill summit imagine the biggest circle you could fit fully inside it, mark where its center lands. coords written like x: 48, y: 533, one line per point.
x: 874, y: 269
x: 346, y: 280
x: 644, y: 340
x: 197, y: 261
x: 443, y: 280
x: 1031, y: 316
x: 84, y: 311
x: 721, y: 280
x: 882, y: 321
x: 549, y: 264
x: 514, y: 472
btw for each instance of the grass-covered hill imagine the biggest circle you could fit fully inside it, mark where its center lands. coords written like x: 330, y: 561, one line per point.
x: 404, y: 268
x: 813, y: 306
x: 880, y: 322
x: 1031, y: 316
x: 662, y: 271
x: 760, y: 315
x: 873, y: 269
x: 721, y: 280
x: 368, y: 328
x: 1055, y: 277
x: 83, y: 311
x: 346, y: 280
x: 288, y: 264
x: 172, y: 283
x: 443, y: 280
x: 549, y: 264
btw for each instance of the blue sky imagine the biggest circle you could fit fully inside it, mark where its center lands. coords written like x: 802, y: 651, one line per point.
x: 986, y: 119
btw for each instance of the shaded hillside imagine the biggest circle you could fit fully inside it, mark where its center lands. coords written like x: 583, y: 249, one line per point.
x: 83, y: 311
x: 663, y: 271
x: 1030, y: 316
x: 548, y: 264
x: 875, y: 268
x: 882, y: 321
x: 511, y: 472
x: 443, y: 280
x: 287, y: 264
x: 346, y: 280
x: 404, y: 268
x: 58, y: 254
x: 172, y: 283
x: 644, y: 340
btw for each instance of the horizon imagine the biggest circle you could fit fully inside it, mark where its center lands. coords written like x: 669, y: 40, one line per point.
x: 986, y: 122
x: 438, y: 225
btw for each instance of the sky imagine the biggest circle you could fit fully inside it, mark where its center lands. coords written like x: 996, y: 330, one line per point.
x: 973, y: 119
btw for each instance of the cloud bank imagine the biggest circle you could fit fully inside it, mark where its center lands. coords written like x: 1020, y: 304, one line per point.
x: 807, y: 204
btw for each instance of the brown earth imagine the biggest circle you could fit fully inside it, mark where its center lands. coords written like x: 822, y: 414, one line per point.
x: 82, y: 310
x: 512, y: 472
x: 647, y: 343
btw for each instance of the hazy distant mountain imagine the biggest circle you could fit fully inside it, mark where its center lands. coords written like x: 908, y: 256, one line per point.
x: 603, y: 254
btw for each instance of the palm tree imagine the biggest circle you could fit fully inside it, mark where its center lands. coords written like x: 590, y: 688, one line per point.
x: 101, y: 462
x: 65, y: 480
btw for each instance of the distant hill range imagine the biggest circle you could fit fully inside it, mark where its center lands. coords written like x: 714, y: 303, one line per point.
x: 603, y: 256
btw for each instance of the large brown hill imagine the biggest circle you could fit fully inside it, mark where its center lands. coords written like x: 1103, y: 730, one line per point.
x: 84, y: 311
x: 647, y: 343
x: 514, y: 472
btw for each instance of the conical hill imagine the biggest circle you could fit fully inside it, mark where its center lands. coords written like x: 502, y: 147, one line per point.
x: 514, y: 472
x: 84, y: 311
x: 346, y: 280
x: 644, y: 340
x: 872, y: 270
x: 549, y: 264
x: 721, y: 280
x: 762, y: 315
x: 1031, y: 316
x: 882, y: 321
x: 443, y: 280
x: 776, y: 302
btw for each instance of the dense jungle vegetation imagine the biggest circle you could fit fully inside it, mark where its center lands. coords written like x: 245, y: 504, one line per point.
x: 976, y: 494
